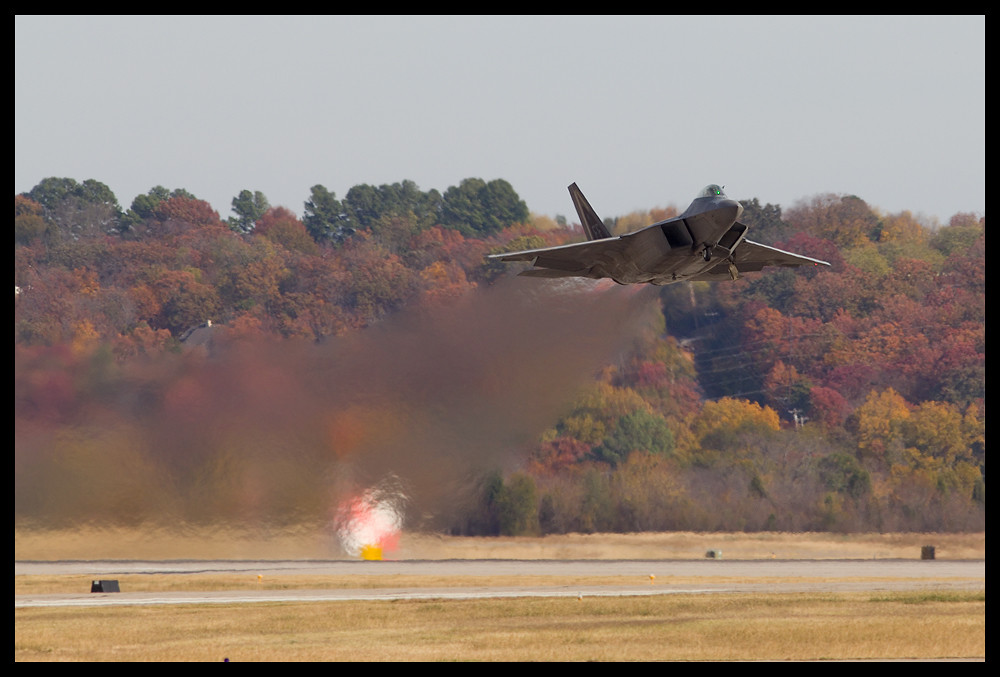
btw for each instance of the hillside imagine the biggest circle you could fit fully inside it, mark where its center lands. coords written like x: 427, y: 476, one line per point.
x: 366, y: 366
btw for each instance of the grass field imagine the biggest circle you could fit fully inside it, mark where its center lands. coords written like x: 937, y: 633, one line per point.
x: 803, y: 626
x: 93, y: 544
x: 683, y: 627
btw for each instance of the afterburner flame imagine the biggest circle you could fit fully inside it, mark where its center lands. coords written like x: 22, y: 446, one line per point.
x: 370, y: 523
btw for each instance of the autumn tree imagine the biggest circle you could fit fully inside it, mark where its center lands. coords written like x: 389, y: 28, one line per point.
x: 961, y: 234
x: 901, y: 227
x: 844, y: 219
x: 188, y: 211
x: 443, y: 282
x: 881, y: 425
x: 797, y: 341
x: 281, y: 226
x: 720, y: 422
x: 558, y: 455
x: 605, y: 404
x: 787, y: 389
x: 144, y: 206
x: 630, y: 222
x: 376, y: 282
x: 939, y: 429
x: 184, y: 301
x: 250, y: 274
x: 828, y: 406
x: 29, y: 222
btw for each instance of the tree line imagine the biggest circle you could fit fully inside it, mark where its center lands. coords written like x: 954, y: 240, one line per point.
x: 474, y: 207
x: 847, y: 399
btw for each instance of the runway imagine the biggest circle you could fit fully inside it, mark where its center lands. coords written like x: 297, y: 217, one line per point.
x: 634, y: 578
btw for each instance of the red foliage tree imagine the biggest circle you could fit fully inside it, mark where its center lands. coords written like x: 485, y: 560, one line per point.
x: 280, y: 225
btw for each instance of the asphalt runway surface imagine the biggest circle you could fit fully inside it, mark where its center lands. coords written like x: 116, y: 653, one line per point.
x: 652, y: 577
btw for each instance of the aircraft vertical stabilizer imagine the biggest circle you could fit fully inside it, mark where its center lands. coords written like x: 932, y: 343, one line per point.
x: 592, y: 224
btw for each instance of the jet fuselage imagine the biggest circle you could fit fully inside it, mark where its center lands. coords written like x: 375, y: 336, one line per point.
x: 706, y: 242
x: 708, y: 229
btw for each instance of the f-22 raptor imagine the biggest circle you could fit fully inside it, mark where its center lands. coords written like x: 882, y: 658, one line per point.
x: 706, y: 242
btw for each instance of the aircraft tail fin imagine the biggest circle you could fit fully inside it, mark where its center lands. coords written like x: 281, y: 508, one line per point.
x: 592, y: 224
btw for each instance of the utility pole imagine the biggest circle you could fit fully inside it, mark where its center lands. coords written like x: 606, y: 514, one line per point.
x: 799, y: 420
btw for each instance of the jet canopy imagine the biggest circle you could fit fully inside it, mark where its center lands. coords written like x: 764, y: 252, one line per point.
x: 712, y: 190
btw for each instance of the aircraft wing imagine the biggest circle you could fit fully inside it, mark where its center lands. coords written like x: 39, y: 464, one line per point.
x: 568, y: 260
x: 753, y: 256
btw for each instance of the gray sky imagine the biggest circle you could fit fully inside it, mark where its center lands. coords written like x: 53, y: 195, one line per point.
x: 640, y: 111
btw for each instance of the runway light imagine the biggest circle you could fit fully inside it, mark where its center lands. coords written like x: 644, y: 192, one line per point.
x: 651, y: 579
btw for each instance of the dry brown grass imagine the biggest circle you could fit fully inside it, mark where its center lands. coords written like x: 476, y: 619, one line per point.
x: 76, y: 583
x: 691, y: 545
x: 683, y: 627
x: 92, y: 544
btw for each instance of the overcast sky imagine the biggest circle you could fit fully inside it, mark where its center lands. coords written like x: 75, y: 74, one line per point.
x: 640, y: 111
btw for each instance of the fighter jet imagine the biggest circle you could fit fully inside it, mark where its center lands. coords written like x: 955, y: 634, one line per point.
x: 706, y: 242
